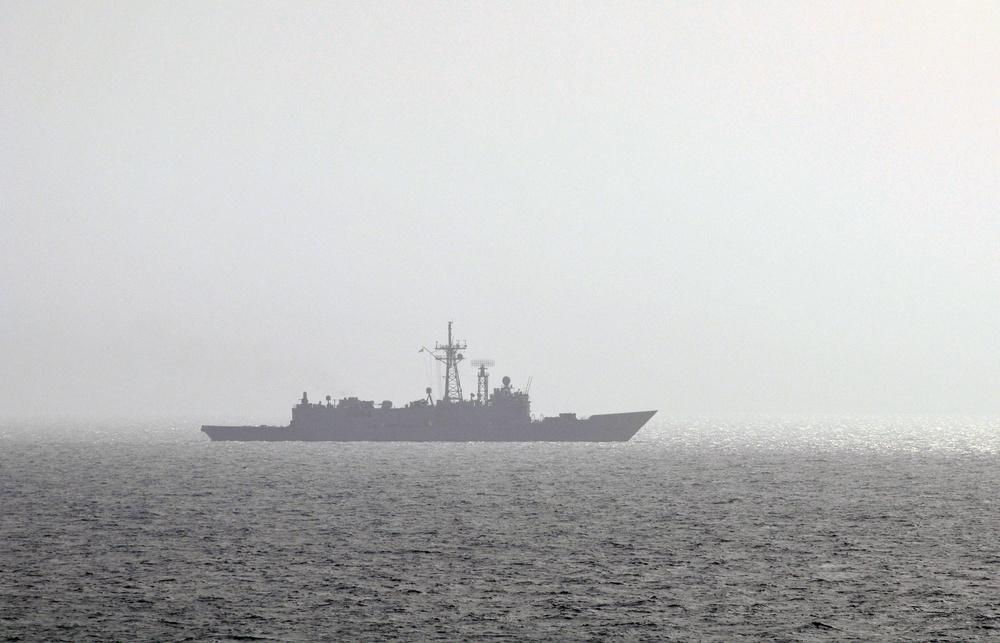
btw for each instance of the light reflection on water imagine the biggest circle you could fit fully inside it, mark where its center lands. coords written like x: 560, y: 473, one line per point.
x: 870, y: 434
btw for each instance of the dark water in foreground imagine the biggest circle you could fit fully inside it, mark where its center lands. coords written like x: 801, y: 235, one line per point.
x: 705, y: 530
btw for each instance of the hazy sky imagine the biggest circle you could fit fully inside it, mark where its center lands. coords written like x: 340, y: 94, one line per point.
x: 757, y: 207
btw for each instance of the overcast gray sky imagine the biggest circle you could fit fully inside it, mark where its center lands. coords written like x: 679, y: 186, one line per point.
x: 752, y: 207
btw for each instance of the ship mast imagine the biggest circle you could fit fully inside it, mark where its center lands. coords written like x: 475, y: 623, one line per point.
x: 484, y: 380
x: 451, y: 358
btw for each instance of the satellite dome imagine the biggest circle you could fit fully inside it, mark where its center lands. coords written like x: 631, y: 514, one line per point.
x: 506, y: 381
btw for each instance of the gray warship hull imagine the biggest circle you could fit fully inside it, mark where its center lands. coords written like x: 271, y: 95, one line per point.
x: 438, y: 427
x: 501, y: 416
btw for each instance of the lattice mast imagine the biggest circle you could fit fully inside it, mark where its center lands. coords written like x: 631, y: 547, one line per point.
x: 483, y: 394
x: 451, y: 358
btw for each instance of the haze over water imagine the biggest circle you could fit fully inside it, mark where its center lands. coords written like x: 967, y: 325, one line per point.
x: 717, y: 210
x: 208, y: 208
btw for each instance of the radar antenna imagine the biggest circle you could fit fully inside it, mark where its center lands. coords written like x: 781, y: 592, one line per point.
x: 484, y: 379
x: 451, y: 358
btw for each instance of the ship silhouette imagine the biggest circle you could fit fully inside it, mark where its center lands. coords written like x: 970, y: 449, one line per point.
x: 500, y: 415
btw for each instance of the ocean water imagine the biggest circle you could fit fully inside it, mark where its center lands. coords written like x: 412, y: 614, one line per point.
x: 696, y: 530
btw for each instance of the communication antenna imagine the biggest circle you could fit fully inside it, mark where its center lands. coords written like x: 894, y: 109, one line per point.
x: 431, y: 381
x: 484, y: 379
x: 527, y: 388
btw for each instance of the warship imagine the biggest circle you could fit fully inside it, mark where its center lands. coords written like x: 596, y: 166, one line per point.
x: 503, y: 415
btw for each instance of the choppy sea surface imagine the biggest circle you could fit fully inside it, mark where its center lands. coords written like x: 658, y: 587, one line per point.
x: 696, y: 530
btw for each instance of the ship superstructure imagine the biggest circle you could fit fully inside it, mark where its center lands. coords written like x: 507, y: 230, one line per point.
x: 503, y: 415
